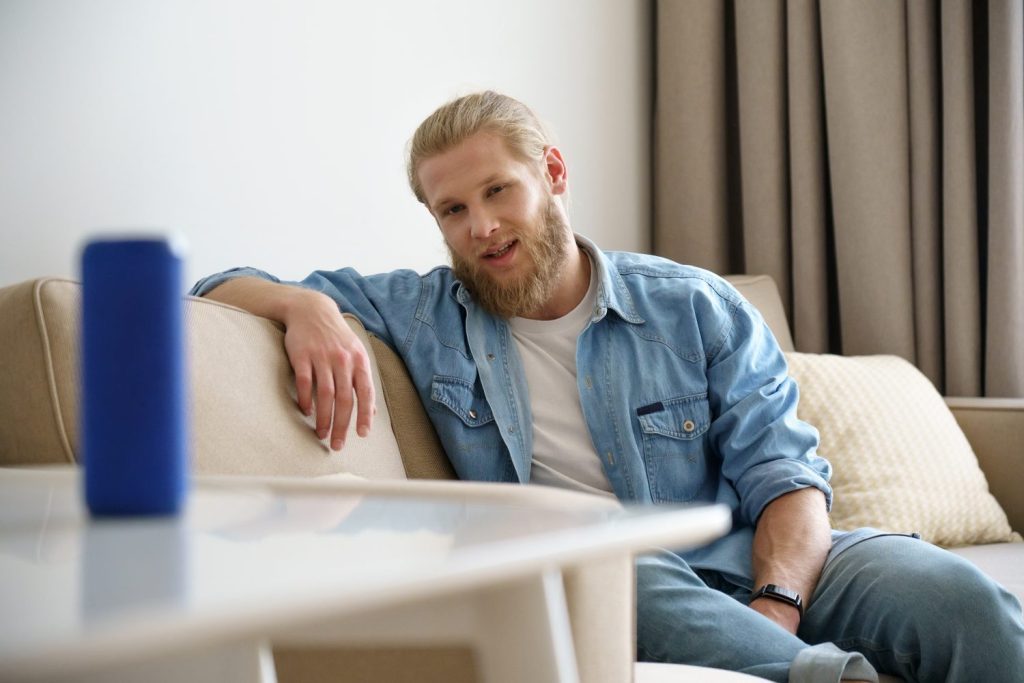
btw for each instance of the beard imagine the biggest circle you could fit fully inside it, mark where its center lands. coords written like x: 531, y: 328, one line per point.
x: 519, y: 295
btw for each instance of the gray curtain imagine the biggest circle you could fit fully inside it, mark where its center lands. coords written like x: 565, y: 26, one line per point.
x: 869, y: 155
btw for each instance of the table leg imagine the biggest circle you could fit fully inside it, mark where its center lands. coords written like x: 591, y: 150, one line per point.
x: 525, y: 632
x: 519, y: 629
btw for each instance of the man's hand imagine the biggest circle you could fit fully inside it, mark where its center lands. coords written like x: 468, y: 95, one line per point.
x: 327, y: 357
x: 330, y: 360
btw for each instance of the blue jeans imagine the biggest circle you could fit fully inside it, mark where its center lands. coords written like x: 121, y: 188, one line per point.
x: 891, y: 604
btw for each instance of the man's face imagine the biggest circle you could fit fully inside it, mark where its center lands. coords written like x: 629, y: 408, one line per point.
x: 505, y: 232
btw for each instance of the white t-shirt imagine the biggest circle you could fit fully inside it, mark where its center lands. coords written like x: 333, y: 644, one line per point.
x: 563, y: 454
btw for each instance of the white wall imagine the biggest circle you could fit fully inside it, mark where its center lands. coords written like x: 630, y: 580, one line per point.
x: 272, y: 133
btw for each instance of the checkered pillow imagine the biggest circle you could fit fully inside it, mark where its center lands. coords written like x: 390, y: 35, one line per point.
x: 900, y: 461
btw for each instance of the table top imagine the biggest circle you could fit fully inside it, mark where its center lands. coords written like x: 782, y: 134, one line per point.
x: 248, y: 556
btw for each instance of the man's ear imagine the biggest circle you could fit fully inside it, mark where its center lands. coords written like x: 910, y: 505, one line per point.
x: 555, y: 170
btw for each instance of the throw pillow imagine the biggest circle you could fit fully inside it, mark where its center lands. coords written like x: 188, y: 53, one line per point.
x: 900, y: 461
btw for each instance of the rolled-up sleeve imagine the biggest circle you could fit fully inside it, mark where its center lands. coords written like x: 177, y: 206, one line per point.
x: 211, y: 282
x: 766, y: 450
x: 385, y: 303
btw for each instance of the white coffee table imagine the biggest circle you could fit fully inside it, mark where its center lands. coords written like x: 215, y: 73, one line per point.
x: 199, y: 597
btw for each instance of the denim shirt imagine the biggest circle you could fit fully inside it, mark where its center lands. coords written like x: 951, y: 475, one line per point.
x: 684, y: 389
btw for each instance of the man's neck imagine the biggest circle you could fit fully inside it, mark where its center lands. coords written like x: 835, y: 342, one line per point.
x: 572, y: 286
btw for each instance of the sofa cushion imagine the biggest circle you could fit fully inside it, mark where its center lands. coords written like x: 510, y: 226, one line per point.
x: 1001, y: 561
x: 900, y: 461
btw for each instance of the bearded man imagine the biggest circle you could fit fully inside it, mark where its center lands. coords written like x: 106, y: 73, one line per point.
x: 542, y: 359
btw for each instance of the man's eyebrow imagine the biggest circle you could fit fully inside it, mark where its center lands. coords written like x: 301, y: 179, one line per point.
x: 436, y: 208
x: 489, y: 180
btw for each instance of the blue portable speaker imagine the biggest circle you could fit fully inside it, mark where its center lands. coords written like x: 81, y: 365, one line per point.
x: 133, y: 393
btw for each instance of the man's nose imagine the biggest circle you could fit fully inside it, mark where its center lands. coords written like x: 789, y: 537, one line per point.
x: 483, y: 223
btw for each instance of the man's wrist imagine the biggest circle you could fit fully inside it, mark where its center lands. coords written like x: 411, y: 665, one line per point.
x: 299, y: 301
x: 780, y: 594
x: 786, y: 616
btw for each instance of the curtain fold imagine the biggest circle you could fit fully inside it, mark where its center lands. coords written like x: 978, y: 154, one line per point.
x: 813, y: 318
x: 691, y: 159
x: 762, y: 117
x: 1005, y: 277
x: 869, y: 155
x: 926, y: 185
x: 961, y: 283
x: 864, y: 63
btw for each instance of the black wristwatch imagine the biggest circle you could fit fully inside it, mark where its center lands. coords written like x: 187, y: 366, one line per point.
x: 770, y: 590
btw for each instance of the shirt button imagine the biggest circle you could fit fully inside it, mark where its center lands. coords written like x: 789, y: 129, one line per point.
x: 472, y: 414
x: 688, y: 426
x: 490, y: 356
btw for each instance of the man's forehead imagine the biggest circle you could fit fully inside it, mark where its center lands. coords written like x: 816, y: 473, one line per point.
x: 477, y: 160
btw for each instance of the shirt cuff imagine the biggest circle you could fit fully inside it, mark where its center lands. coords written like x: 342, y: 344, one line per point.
x: 826, y: 663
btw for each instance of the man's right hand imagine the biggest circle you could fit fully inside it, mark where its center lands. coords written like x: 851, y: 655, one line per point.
x: 331, y: 364
x: 330, y: 360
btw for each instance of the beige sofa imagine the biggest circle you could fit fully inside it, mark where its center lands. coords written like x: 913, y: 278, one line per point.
x: 245, y: 423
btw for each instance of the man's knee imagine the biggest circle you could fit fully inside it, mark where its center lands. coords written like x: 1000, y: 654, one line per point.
x: 938, y: 591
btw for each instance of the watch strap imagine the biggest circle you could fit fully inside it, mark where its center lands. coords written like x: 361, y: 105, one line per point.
x: 780, y: 594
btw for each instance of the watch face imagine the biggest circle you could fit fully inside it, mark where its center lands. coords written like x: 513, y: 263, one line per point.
x: 785, y: 592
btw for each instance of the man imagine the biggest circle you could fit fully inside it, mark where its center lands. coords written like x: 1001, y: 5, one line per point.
x: 542, y: 359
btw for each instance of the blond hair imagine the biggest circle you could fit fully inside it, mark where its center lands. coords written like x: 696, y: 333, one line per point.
x: 454, y: 122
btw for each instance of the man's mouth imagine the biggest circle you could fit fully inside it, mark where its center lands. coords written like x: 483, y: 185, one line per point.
x: 500, y: 250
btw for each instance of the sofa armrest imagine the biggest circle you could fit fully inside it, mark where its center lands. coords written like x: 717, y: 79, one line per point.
x: 995, y: 429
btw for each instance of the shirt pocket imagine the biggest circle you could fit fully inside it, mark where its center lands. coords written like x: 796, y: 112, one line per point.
x: 457, y: 397
x: 674, y: 434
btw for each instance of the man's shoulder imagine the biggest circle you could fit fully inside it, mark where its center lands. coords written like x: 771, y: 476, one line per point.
x: 392, y: 293
x: 441, y: 274
x: 441, y: 281
x: 403, y: 280
x: 647, y: 270
x: 435, y: 274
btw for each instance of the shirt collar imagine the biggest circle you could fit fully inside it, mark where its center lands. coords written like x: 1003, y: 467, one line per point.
x: 612, y: 293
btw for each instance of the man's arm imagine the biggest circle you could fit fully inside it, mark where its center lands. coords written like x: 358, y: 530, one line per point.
x: 324, y: 352
x: 770, y: 457
x: 791, y: 542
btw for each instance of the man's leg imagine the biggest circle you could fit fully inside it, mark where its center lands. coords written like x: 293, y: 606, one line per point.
x: 917, y: 612
x: 681, y: 620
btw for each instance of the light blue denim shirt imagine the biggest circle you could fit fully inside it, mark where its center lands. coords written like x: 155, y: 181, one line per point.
x: 684, y: 389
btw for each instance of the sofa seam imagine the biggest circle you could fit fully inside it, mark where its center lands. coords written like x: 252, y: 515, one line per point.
x: 50, y: 373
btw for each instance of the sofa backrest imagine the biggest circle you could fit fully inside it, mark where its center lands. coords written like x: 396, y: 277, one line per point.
x: 244, y: 416
x: 761, y: 291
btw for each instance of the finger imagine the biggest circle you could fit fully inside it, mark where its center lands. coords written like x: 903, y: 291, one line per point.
x: 342, y: 407
x: 365, y: 395
x: 324, y: 399
x: 304, y: 388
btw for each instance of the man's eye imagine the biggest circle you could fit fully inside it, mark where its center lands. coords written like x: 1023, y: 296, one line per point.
x: 454, y: 209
